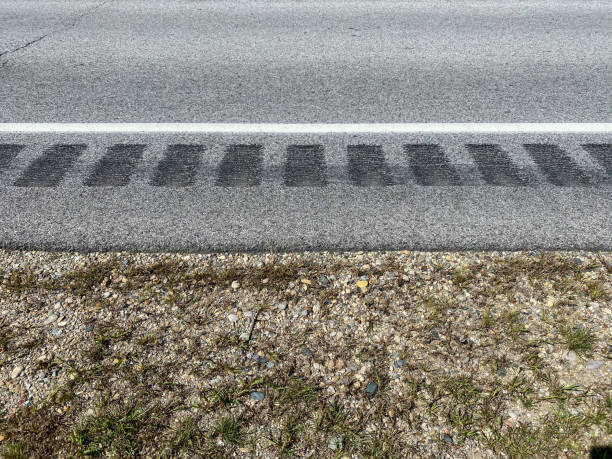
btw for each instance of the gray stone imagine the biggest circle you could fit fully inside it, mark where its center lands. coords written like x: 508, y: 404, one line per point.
x: 400, y: 363
x: 435, y: 335
x: 307, y: 352
x: 257, y: 395
x: 89, y: 328
x: 448, y: 439
x: 595, y: 364
x: 335, y: 443
x: 372, y: 388
x: 578, y: 261
x: 52, y: 317
x: 353, y: 366
x: 270, y: 364
x: 324, y: 281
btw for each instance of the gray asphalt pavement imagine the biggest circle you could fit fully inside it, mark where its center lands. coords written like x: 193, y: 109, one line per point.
x: 209, y: 193
x: 305, y: 62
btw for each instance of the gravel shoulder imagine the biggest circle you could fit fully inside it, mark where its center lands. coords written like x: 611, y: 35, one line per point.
x: 376, y: 354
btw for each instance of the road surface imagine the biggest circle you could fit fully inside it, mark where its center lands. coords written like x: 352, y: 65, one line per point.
x: 309, y: 63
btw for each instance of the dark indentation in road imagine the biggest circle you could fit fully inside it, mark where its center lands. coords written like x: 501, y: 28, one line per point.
x: 430, y: 165
x: 602, y: 152
x: 367, y: 166
x: 496, y: 166
x: 557, y: 165
x: 305, y: 166
x: 116, y: 166
x: 242, y: 165
x: 179, y: 166
x: 8, y: 152
x: 49, y: 169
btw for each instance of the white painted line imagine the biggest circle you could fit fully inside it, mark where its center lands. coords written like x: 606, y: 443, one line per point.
x: 272, y: 128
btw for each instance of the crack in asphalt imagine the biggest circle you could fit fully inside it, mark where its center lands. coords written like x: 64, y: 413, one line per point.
x: 65, y: 27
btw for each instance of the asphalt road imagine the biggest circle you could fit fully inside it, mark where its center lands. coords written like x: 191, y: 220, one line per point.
x: 305, y: 62
x: 195, y: 192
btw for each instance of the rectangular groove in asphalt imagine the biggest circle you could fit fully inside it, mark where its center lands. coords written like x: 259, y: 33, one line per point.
x: 602, y: 152
x: 305, y: 166
x: 179, y: 166
x: 556, y: 165
x: 7, y: 154
x: 116, y: 166
x: 367, y: 166
x: 242, y: 165
x: 495, y: 165
x: 430, y: 165
x: 49, y: 169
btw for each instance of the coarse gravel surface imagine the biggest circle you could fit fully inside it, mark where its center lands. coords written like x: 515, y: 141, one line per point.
x: 312, y: 354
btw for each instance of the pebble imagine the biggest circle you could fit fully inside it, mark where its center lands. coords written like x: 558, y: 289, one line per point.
x: 372, y: 388
x: 435, y: 335
x: 335, y: 443
x: 353, y: 366
x: 270, y: 364
x: 578, y: 261
x: 282, y: 306
x: 16, y: 371
x: 400, y: 363
x: 324, y: 281
x: 233, y: 318
x: 363, y: 285
x: 257, y: 395
x: 235, y: 285
x: 448, y: 439
x: 52, y: 317
x: 571, y: 356
x: 89, y: 328
x: 307, y: 352
x: 595, y: 364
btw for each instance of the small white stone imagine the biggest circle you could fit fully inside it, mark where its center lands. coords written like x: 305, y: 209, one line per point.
x: 16, y: 371
x: 52, y: 317
x: 571, y: 356
x: 233, y: 318
x: 595, y: 364
x: 235, y: 285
